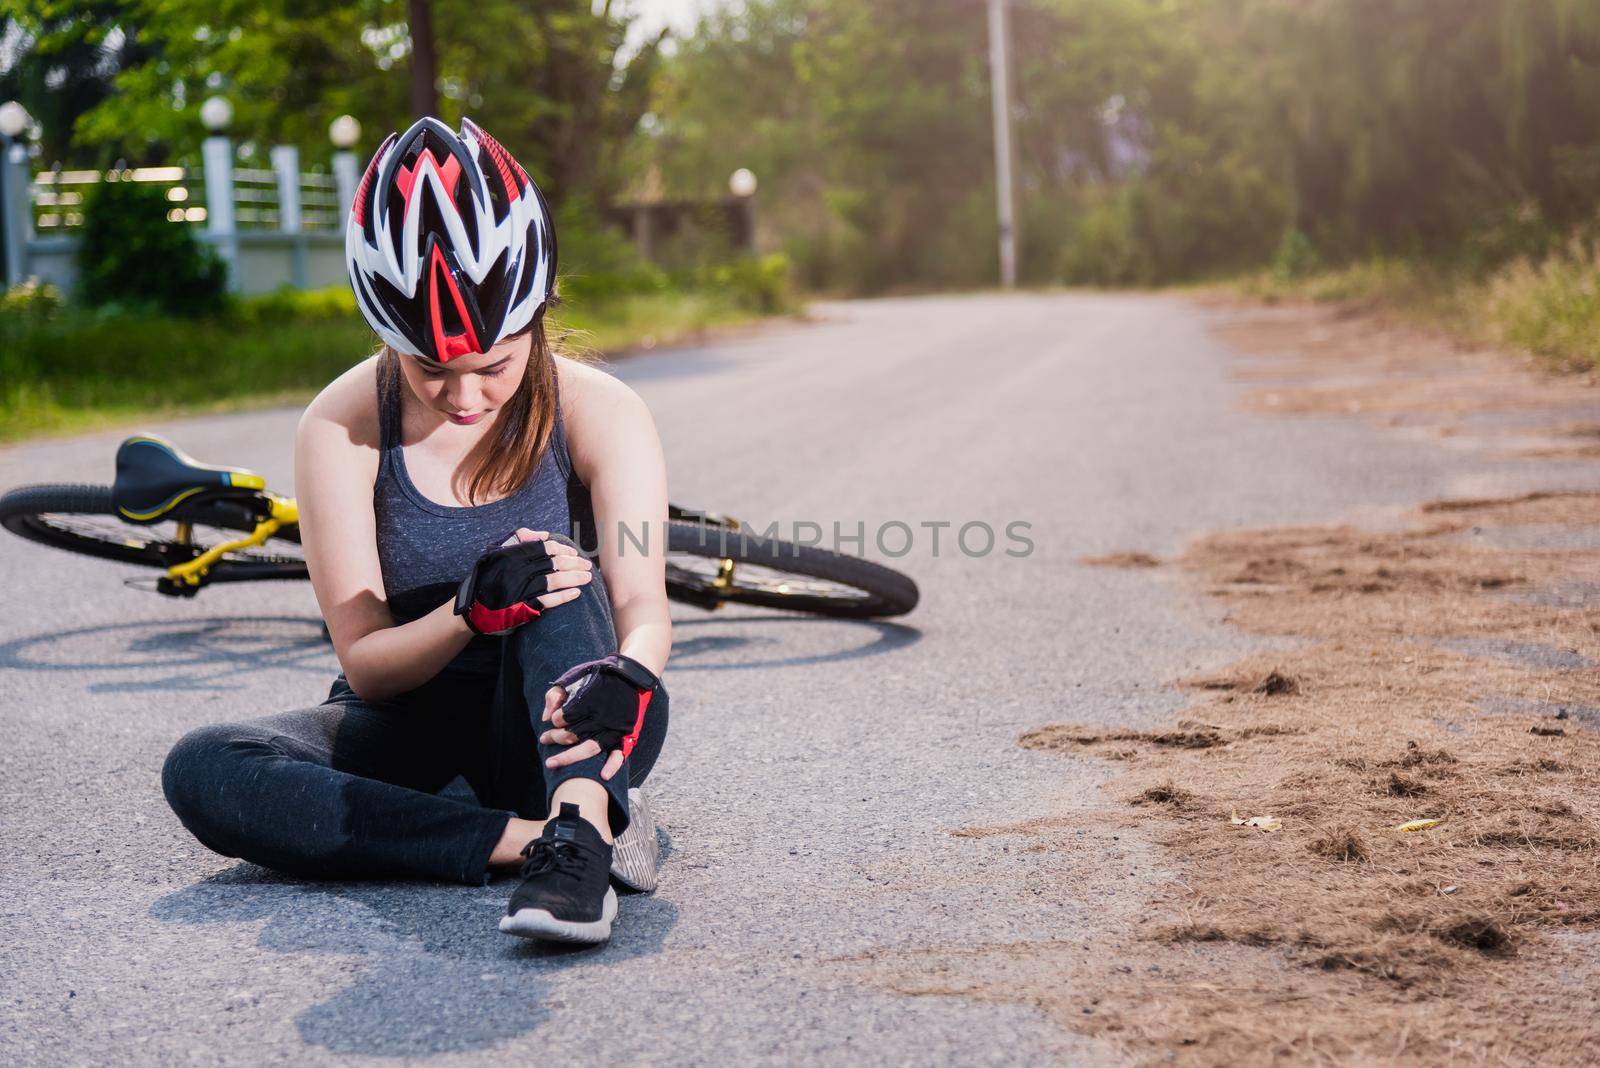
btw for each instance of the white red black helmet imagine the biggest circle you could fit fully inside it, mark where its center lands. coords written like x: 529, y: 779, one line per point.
x: 450, y: 245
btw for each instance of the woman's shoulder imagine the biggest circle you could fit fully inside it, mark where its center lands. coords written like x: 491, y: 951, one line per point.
x: 596, y: 406
x: 342, y: 420
x: 585, y: 387
x: 578, y: 377
x: 351, y: 402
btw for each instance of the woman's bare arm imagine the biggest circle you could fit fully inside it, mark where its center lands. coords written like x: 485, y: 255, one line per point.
x: 336, y: 463
x: 617, y: 453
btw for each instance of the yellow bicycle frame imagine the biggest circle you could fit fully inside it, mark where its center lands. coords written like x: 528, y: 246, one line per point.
x: 283, y: 511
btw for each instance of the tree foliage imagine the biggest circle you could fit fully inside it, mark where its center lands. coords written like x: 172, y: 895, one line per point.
x: 546, y: 78
x: 1155, y: 139
x: 60, y: 60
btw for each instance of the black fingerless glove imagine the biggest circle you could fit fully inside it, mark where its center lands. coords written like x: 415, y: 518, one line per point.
x: 606, y: 700
x: 501, y: 591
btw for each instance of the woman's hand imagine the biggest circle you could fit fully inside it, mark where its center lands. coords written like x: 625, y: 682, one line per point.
x: 598, y: 706
x: 528, y: 573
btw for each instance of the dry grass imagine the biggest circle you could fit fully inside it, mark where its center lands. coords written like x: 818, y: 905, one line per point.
x: 1339, y: 937
x: 1128, y: 560
x: 1325, y: 360
x: 1433, y: 682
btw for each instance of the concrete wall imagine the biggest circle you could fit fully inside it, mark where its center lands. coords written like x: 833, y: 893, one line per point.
x: 266, y: 261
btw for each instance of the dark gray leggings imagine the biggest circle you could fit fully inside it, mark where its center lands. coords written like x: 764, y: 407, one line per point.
x: 350, y: 788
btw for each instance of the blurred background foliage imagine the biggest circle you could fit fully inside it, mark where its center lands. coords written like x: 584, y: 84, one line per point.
x: 1442, y: 153
x: 546, y: 78
x: 1157, y: 140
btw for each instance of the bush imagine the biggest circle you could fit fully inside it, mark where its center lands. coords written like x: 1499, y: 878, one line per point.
x: 132, y: 256
x: 590, y: 245
x: 1551, y: 308
x: 759, y: 284
x: 30, y: 302
x: 1296, y: 256
x: 1515, y: 232
x: 1100, y: 247
x: 298, y: 305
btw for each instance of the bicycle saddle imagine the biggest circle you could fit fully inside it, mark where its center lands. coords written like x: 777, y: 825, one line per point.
x: 154, y: 476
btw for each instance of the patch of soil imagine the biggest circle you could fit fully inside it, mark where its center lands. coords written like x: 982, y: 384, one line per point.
x: 1128, y: 559
x: 1338, y: 936
x: 1271, y: 684
x: 1323, y: 360
x: 1163, y: 794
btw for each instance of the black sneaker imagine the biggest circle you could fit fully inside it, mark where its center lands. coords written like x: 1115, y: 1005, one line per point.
x: 566, y: 893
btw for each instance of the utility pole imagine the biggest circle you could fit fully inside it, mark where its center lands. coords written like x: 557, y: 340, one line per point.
x: 424, y: 69
x: 1000, y: 90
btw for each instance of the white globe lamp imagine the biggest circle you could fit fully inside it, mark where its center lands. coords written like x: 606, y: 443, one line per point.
x: 344, y: 132
x: 216, y: 113
x: 13, y: 119
x: 742, y: 183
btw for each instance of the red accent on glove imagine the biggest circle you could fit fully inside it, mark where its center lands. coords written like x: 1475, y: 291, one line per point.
x: 486, y: 620
x: 632, y: 737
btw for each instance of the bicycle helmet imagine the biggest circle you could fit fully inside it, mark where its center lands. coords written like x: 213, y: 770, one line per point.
x: 450, y: 245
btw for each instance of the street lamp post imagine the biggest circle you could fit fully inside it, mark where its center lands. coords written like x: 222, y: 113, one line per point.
x: 217, y: 153
x: 15, y: 222
x: 742, y: 184
x: 345, y: 132
x: 1000, y: 82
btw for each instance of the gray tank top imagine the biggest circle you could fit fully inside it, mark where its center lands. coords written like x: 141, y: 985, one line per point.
x: 425, y: 548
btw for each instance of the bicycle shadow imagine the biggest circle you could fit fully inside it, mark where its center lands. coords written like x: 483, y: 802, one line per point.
x: 436, y: 975
x: 214, y: 653
x: 709, y: 652
x: 206, y: 654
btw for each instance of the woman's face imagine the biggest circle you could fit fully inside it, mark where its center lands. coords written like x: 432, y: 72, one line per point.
x: 468, y: 389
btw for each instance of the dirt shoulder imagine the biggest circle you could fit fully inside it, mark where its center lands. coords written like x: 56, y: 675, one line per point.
x: 1386, y: 834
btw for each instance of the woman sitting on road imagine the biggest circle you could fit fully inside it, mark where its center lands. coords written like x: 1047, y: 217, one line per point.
x: 441, y: 484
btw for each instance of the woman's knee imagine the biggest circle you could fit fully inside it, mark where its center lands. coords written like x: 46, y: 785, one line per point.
x: 570, y: 633
x: 200, y: 762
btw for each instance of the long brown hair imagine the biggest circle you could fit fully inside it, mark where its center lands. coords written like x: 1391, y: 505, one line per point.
x: 511, y: 451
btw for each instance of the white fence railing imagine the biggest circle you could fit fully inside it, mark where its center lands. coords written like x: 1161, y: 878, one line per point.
x: 58, y: 195
x: 274, y: 226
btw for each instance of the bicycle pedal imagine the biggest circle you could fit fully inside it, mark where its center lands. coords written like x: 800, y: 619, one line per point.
x: 175, y: 589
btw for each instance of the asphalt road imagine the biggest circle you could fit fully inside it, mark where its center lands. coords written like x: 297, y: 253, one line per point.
x: 815, y: 770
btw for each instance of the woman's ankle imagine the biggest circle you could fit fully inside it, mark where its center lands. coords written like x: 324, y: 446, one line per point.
x: 513, y: 840
x: 592, y: 799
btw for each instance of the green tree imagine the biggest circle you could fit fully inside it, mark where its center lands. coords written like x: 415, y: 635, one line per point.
x: 547, y: 79
x: 1155, y: 139
x: 60, y: 60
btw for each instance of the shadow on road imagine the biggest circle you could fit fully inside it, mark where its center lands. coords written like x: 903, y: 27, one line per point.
x: 703, y: 651
x: 435, y: 975
x: 216, y: 652
x: 213, y: 653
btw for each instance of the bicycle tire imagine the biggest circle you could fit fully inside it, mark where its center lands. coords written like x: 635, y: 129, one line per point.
x: 867, y: 590
x: 863, y: 589
x: 27, y: 511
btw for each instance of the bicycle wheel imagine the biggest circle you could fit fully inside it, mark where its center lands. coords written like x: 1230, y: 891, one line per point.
x: 710, y: 564
x: 82, y: 519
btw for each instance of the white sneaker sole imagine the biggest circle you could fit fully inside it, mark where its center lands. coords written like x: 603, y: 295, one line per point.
x: 636, y: 856
x: 540, y: 924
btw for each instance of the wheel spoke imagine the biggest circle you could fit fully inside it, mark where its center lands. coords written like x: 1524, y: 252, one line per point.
x: 699, y: 570
x: 187, y: 539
